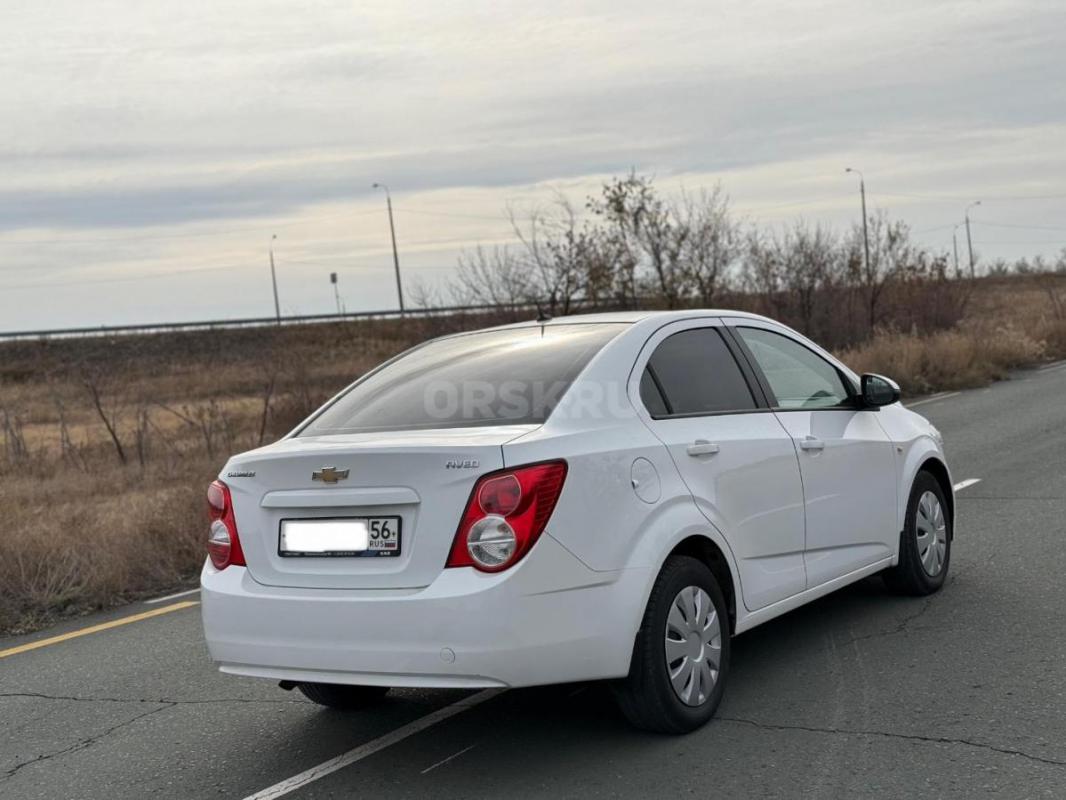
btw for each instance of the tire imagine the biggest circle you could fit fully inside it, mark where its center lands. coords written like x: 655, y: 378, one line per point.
x: 914, y: 575
x: 341, y: 696
x: 647, y: 696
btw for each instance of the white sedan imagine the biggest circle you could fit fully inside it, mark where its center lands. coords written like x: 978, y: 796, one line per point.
x: 611, y: 496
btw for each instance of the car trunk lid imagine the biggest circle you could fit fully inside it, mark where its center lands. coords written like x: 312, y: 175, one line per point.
x: 423, y: 478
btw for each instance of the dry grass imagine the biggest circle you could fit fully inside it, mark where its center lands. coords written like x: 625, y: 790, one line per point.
x: 1011, y: 322
x: 971, y: 355
x: 81, y: 530
x: 96, y: 539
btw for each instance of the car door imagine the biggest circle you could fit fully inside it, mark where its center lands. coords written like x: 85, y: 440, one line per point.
x: 846, y: 459
x: 732, y: 453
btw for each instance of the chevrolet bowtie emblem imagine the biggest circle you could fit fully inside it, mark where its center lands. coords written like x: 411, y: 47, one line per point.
x: 329, y: 474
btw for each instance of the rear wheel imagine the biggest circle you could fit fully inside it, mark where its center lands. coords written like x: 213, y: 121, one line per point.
x: 341, y: 696
x: 925, y: 544
x: 681, y: 656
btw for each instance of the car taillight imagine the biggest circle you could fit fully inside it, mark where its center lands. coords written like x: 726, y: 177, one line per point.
x: 223, y: 545
x: 506, y: 514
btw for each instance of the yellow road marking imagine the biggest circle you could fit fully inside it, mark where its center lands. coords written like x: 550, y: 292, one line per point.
x: 103, y: 626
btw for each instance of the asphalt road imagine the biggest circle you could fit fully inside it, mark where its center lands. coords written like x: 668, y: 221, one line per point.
x: 860, y: 694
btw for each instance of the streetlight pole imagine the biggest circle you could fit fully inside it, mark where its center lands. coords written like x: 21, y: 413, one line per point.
x: 274, y: 280
x: 395, y: 255
x: 865, y: 231
x: 969, y: 241
x: 955, y: 247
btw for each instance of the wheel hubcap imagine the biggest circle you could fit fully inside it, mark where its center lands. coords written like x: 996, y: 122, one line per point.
x: 932, y: 534
x: 693, y: 645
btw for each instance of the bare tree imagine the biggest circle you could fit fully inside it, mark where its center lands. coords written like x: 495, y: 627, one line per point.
x: 635, y: 246
x: 207, y: 420
x: 554, y: 243
x: 14, y: 439
x: 491, y: 277
x: 809, y: 259
x: 1052, y: 285
x: 714, y: 242
x: 422, y: 295
x: 1000, y: 268
x: 70, y: 452
x: 607, y: 268
x: 891, y: 251
x: 106, y: 408
x: 652, y: 231
x: 762, y: 272
x: 618, y: 209
x: 141, y: 438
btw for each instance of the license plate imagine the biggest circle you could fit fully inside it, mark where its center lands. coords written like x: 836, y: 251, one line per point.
x: 368, y: 537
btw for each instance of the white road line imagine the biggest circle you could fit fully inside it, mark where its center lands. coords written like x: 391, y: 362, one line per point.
x: 1053, y: 365
x: 171, y: 597
x: 968, y: 482
x: 452, y: 757
x: 933, y: 398
x: 362, y: 751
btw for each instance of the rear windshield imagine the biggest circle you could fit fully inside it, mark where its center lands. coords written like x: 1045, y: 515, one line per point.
x: 506, y: 377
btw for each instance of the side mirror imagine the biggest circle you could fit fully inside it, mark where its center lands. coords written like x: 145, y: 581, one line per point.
x: 877, y: 391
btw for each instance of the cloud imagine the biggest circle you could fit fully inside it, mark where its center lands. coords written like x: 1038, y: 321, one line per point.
x: 227, y: 120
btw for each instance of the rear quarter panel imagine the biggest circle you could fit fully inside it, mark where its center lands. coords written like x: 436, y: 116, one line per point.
x: 599, y: 517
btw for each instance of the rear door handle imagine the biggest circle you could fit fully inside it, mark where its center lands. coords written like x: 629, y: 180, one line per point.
x: 701, y: 447
x: 812, y: 443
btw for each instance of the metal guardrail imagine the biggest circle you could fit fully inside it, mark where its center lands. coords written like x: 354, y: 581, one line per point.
x: 255, y: 322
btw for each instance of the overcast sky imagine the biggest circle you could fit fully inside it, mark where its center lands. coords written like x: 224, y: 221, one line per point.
x: 149, y: 150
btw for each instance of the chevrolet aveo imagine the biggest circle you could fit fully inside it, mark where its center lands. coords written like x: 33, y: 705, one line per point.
x: 610, y: 496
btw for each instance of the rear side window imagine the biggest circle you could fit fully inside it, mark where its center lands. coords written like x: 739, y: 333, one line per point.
x: 506, y: 377
x: 799, y: 378
x: 652, y: 396
x: 693, y: 372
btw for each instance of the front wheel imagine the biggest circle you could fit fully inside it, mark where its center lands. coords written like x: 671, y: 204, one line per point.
x: 925, y: 543
x: 681, y: 655
x: 341, y: 696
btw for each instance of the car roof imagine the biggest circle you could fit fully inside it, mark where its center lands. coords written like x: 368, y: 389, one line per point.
x: 640, y: 322
x: 634, y: 316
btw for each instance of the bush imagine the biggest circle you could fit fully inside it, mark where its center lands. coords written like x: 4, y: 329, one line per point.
x: 970, y: 355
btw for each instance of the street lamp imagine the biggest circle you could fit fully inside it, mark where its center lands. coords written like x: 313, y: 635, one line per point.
x: 274, y: 280
x: 336, y: 292
x: 865, y: 232
x: 969, y: 241
x: 392, y: 232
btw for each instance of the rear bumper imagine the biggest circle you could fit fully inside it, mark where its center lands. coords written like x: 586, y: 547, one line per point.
x: 548, y: 620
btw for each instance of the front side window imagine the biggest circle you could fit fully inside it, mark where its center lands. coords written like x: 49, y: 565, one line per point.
x: 505, y: 377
x: 798, y: 377
x: 691, y: 373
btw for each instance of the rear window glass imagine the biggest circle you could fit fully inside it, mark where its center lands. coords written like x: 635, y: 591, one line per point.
x: 506, y: 377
